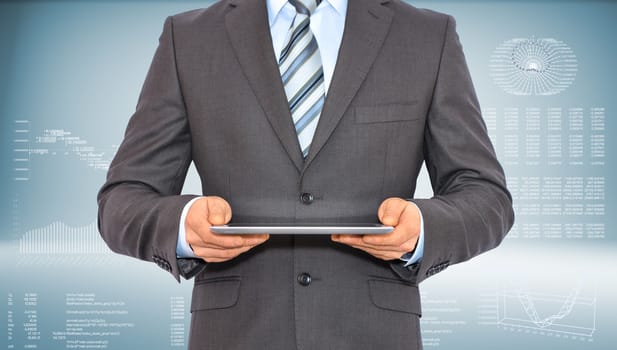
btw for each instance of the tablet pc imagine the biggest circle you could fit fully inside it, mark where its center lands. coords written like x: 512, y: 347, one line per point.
x: 303, y: 229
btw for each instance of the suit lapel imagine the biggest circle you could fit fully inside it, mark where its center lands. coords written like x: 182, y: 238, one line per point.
x: 366, y: 27
x: 249, y: 33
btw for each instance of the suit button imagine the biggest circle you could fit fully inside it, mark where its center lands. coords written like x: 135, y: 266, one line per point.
x: 306, y: 198
x: 304, y: 279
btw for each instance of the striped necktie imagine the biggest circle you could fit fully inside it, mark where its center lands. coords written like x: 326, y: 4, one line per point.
x: 302, y: 74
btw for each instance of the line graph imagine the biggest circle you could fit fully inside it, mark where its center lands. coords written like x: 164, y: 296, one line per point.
x: 573, y: 313
x: 59, y: 244
x: 531, y: 310
x: 58, y: 238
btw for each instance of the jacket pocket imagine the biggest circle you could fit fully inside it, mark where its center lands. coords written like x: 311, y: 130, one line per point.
x: 217, y: 293
x: 388, y: 113
x: 395, y: 296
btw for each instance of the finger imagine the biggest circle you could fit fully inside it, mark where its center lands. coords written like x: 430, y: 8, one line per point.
x: 197, y: 215
x: 358, y: 241
x: 395, y: 238
x: 219, y: 211
x: 219, y: 255
x: 201, y: 235
x: 412, y: 218
x: 214, y: 240
x: 381, y: 254
x: 255, y: 239
x: 384, y: 255
x: 404, y: 247
x: 390, y: 211
x: 392, y: 240
x: 234, y: 241
x: 347, y: 239
x: 407, y: 228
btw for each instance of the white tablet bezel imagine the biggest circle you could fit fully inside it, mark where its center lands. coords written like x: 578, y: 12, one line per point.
x: 299, y: 229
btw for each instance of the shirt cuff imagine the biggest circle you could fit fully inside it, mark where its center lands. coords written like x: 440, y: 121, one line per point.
x: 183, y: 249
x: 416, y: 255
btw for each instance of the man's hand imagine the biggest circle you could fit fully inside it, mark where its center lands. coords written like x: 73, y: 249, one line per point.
x: 404, y: 216
x: 209, y: 211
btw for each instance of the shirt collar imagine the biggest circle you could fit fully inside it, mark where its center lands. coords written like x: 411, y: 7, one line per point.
x: 275, y: 7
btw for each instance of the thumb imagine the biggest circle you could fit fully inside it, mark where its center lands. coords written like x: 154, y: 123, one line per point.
x: 219, y: 211
x: 390, y: 211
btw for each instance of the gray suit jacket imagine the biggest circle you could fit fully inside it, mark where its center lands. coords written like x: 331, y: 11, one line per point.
x: 400, y: 95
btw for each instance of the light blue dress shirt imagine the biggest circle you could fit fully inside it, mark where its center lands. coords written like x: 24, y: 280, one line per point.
x: 327, y: 25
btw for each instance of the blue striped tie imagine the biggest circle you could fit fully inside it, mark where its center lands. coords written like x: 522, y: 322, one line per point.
x: 302, y: 74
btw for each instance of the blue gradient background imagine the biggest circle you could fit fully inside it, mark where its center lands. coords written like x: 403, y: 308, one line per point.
x: 79, y: 66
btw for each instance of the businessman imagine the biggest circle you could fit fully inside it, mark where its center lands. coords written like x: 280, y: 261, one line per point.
x: 306, y: 111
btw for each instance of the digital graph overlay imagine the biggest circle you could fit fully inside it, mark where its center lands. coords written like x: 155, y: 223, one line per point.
x: 52, y: 142
x: 572, y: 314
x: 533, y: 66
x: 59, y: 244
x: 58, y: 238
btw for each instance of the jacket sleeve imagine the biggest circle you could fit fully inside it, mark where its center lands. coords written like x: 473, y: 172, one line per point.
x: 140, y: 203
x: 471, y: 210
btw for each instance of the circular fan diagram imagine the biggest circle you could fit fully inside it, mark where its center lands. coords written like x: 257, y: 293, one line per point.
x: 531, y: 66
